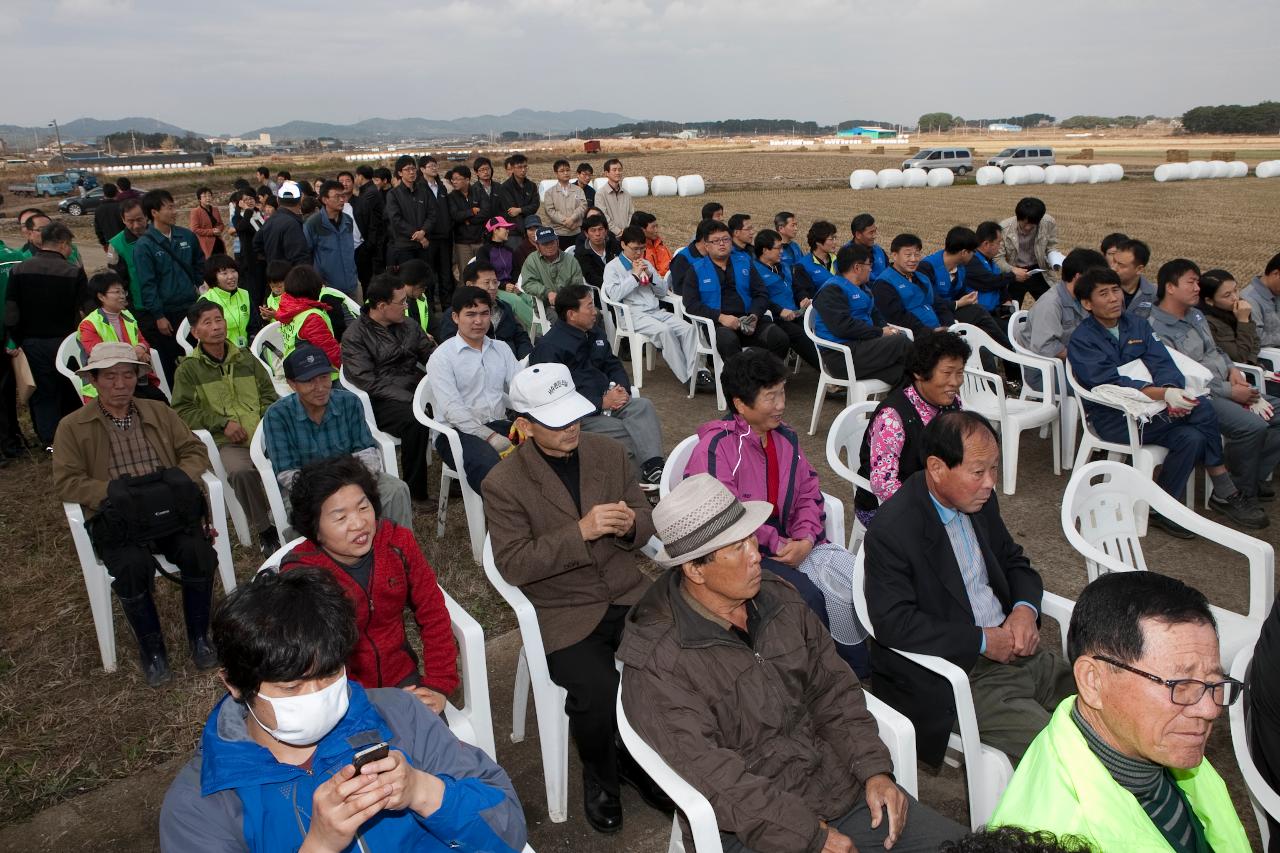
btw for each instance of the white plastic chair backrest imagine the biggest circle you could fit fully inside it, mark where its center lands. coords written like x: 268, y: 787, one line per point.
x: 385, y: 442
x: 158, y: 369
x: 846, y: 434
x: 1264, y: 798
x: 352, y: 306
x: 267, y: 474
x: 570, y: 251
x: 184, y: 330
x: 69, y: 350
x: 977, y: 339
x: 677, y: 461
x: 1102, y: 515
x: 272, y: 563
x: 526, y: 616
x: 1018, y: 322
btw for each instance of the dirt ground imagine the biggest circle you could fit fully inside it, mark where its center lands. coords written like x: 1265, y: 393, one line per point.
x: 89, y: 753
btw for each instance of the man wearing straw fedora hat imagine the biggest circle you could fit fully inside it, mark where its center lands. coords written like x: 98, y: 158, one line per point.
x: 732, y: 678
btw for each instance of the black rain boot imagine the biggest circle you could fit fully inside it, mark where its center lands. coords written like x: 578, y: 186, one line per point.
x: 196, y: 598
x: 140, y: 611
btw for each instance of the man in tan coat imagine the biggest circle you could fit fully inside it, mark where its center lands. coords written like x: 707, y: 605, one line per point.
x: 120, y: 436
x: 1030, y: 242
x: 565, y: 516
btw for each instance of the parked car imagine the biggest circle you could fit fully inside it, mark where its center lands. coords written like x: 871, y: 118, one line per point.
x: 47, y: 185
x: 1022, y: 157
x: 958, y: 160
x: 75, y: 176
x: 77, y: 205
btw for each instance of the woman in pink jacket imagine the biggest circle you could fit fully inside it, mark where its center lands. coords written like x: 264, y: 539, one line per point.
x: 758, y: 457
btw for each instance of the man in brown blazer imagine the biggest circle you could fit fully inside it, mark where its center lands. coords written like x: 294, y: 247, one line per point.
x: 1030, y: 242
x: 565, y: 515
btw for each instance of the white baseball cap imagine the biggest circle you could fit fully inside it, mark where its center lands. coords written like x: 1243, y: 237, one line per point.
x: 289, y: 189
x: 545, y: 393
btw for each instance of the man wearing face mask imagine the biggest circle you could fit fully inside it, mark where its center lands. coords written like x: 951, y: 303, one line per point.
x: 276, y: 766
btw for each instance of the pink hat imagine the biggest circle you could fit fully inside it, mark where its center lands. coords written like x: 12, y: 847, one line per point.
x: 497, y: 222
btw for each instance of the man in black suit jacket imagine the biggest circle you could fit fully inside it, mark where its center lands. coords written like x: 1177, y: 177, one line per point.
x: 945, y: 578
x: 1263, y: 710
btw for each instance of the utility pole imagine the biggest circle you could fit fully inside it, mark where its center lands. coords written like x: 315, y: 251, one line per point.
x: 58, y: 134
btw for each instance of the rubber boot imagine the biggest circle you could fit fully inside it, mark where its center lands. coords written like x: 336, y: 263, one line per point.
x: 196, y: 598
x: 140, y: 610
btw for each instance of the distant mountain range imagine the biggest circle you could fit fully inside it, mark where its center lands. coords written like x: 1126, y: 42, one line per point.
x: 86, y: 130
x: 391, y: 129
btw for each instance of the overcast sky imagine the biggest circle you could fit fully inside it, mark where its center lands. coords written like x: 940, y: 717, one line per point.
x: 233, y: 65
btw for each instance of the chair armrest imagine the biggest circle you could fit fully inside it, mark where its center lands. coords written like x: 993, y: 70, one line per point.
x: 833, y: 507
x: 1253, y: 373
x: 470, y: 638
x: 1270, y: 356
x: 899, y: 735
x: 993, y: 386
x: 903, y: 329
x: 1058, y: 609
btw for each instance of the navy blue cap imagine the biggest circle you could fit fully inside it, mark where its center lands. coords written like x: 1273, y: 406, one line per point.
x: 306, y: 362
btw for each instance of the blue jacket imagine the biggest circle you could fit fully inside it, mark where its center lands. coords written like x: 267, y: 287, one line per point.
x: 845, y: 313
x: 169, y: 270
x: 706, y: 298
x: 818, y: 272
x: 1096, y: 356
x: 234, y: 795
x: 985, y: 276
x: 910, y: 302
x: 333, y: 250
x: 781, y: 286
x: 792, y: 254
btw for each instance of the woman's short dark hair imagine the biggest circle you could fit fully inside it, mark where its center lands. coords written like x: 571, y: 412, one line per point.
x: 99, y: 283
x: 202, y: 190
x: 745, y: 374
x: 1015, y: 839
x: 944, y: 436
x: 318, y: 481
x: 215, y: 265
x: 931, y: 349
x: 284, y: 626
x: 304, y: 282
x: 819, y: 233
x: 1108, y: 614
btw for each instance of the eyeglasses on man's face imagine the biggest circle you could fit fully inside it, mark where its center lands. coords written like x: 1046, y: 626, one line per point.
x: 1188, y: 691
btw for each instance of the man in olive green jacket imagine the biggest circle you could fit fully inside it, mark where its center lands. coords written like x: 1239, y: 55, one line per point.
x: 225, y: 390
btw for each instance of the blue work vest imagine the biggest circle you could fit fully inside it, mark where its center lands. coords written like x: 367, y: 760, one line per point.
x: 819, y: 273
x: 792, y: 254
x: 989, y: 299
x: 709, y: 279
x: 916, y: 296
x: 943, y: 285
x: 779, y: 285
x: 860, y: 308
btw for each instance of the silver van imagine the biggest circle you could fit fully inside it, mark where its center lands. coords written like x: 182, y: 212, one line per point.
x: 1026, y: 156
x: 958, y: 160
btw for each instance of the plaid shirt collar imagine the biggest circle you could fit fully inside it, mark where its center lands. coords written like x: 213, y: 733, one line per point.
x: 121, y: 423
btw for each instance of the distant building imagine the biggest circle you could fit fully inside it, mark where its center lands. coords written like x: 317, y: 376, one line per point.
x: 868, y: 132
x: 999, y: 127
x: 686, y: 134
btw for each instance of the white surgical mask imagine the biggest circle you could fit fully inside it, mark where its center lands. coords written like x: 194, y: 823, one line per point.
x: 303, y: 720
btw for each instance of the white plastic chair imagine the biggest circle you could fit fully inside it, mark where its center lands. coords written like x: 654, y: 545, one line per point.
x: 987, y: 770
x: 859, y: 390
x: 70, y: 351
x: 1054, y: 386
x: 705, y: 352
x: 184, y: 331
x: 1264, y: 799
x: 239, y: 520
x: 895, y: 730
x: 1100, y: 517
x: 1270, y: 358
x: 678, y: 460
x: 846, y: 434
x: 548, y: 697
x: 386, y: 441
x: 473, y: 723
x: 270, y: 485
x: 268, y: 348
x: 471, y: 501
x: 97, y: 581
x: 641, y: 346
x: 983, y: 392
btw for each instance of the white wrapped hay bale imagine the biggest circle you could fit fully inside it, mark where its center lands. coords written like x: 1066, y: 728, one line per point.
x: 940, y: 178
x: 1056, y: 174
x: 989, y: 176
x: 1164, y: 173
x: 1015, y: 176
x: 637, y: 186
x: 1034, y: 174
x: 1077, y: 173
x: 688, y: 185
x: 1267, y: 169
x: 889, y: 179
x: 1237, y: 169
x: 1098, y: 173
x: 915, y: 178
x: 1198, y: 170
x: 862, y: 179
x: 543, y: 186
x: 662, y: 186
x: 1181, y: 172
x: 599, y: 184
x: 1219, y: 169
x: 1115, y: 172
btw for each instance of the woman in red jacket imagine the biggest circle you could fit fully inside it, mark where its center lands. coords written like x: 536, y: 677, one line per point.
x: 335, y: 506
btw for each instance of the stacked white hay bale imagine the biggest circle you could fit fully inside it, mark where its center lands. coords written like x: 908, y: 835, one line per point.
x: 889, y: 179
x: 637, y: 186
x: 1034, y: 174
x: 915, y: 178
x: 543, y: 186
x: 989, y: 176
x: 687, y: 185
x: 1056, y: 174
x: 662, y: 186
x: 862, y: 179
x: 940, y: 178
x: 1016, y: 176
x: 1077, y: 173
x: 1237, y: 169
x: 1267, y: 169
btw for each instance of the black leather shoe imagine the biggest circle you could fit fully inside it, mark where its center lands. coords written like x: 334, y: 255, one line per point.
x: 632, y: 774
x: 1169, y: 526
x: 603, y: 810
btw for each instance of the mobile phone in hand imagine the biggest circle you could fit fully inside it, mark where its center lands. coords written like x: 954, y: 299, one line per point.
x: 369, y: 754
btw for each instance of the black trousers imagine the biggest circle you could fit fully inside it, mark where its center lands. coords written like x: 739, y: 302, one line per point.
x: 440, y: 259
x: 587, y: 671
x: 166, y: 345
x: 880, y: 358
x: 730, y: 342
x: 397, y: 255
x: 1036, y: 285
x: 10, y: 433
x: 800, y: 343
x: 54, y: 396
x: 365, y: 253
x: 132, y: 566
x: 397, y: 418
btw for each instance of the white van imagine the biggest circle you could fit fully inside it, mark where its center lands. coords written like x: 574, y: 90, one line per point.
x: 1027, y: 156
x: 958, y: 160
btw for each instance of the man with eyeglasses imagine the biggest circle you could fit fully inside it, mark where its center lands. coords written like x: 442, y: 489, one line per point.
x: 381, y: 354
x: 1121, y: 764
x: 907, y: 299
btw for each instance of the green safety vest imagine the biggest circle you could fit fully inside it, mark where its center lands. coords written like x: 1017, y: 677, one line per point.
x: 1062, y: 787
x: 235, y: 309
x: 423, y: 312
x: 273, y: 302
x: 290, y: 331
x: 107, y: 333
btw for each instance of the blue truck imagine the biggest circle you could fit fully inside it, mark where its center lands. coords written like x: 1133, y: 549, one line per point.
x: 48, y: 185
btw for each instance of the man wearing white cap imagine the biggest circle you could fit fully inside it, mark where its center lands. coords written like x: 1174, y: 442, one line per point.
x: 565, y: 515
x: 282, y: 237
x: 736, y: 683
x: 95, y: 451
